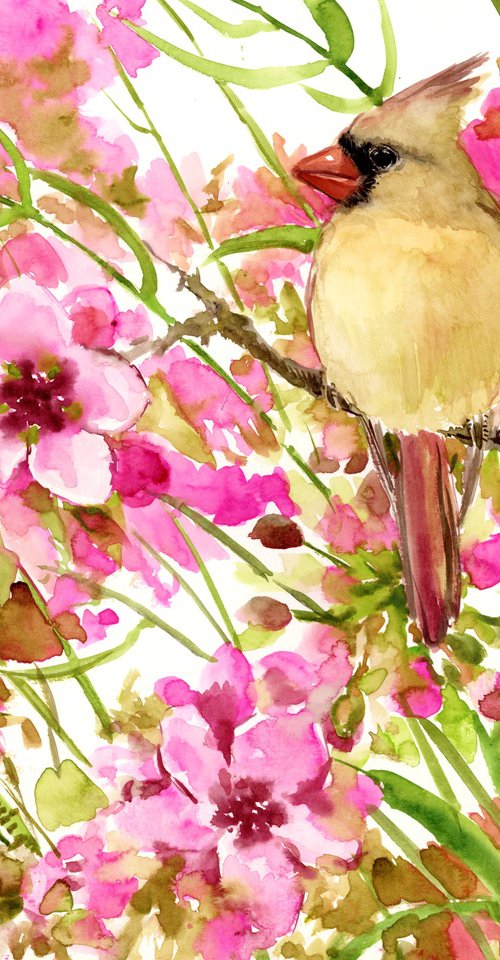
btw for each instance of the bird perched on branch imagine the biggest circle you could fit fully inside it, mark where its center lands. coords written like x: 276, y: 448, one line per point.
x: 404, y: 308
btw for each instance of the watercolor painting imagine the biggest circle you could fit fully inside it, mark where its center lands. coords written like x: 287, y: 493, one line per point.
x: 249, y: 480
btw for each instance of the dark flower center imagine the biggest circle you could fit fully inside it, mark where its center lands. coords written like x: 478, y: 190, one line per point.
x: 246, y: 806
x: 34, y: 397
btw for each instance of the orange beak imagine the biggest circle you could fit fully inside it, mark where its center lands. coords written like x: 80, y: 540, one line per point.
x: 330, y: 171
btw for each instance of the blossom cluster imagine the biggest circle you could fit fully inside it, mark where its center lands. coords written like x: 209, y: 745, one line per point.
x: 227, y: 816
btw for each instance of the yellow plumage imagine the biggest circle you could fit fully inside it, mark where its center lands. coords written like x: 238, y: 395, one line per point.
x: 405, y: 294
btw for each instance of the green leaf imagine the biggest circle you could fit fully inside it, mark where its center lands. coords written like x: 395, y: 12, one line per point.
x: 289, y: 236
x: 8, y: 572
x: 487, y: 628
x: 338, y: 104
x: 12, y: 823
x: 347, y: 712
x: 490, y: 748
x: 457, y: 721
x: 490, y: 479
x: 372, y: 681
x: 450, y: 828
x: 247, y: 28
x: 66, y: 796
x: 336, y: 26
x: 255, y: 637
x: 466, y: 648
x: 259, y: 78
x: 395, y: 741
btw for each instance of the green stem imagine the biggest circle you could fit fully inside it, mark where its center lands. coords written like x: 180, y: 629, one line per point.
x: 21, y: 170
x: 154, y: 132
x: 433, y: 764
x: 278, y: 402
x: 16, y: 796
x: 473, y: 927
x: 214, y: 593
x: 323, y: 51
x: 122, y: 228
x: 51, y: 703
x: 462, y: 769
x: 328, y: 556
x: 386, y: 85
x: 184, y: 584
x: 262, y: 143
x: 83, y: 681
x: 310, y: 474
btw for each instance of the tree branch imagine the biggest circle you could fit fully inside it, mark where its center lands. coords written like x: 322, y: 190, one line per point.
x: 217, y: 317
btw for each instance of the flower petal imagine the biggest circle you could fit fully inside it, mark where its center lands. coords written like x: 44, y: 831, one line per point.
x: 73, y: 466
x: 12, y: 451
x: 112, y: 392
x: 32, y: 322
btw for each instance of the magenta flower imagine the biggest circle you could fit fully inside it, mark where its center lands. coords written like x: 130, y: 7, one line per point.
x: 99, y: 879
x: 58, y: 400
x: 250, y: 809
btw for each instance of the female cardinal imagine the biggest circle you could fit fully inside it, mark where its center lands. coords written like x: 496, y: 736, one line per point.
x: 404, y: 310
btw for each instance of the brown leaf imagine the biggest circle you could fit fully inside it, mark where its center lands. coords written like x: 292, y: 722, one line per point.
x: 25, y: 635
x: 266, y: 612
x: 277, y: 532
x: 460, y: 882
x: 399, y: 880
x: 69, y: 626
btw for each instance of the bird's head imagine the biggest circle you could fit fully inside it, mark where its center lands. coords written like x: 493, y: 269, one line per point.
x: 408, y: 141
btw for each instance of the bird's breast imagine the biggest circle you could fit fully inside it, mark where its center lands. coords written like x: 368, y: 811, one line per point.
x: 405, y: 317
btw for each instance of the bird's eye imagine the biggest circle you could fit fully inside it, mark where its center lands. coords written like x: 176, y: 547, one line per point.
x: 383, y: 157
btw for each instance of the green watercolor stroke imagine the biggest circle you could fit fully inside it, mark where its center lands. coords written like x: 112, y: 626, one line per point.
x: 237, y: 31
x: 334, y: 23
x: 258, y: 78
x: 289, y: 236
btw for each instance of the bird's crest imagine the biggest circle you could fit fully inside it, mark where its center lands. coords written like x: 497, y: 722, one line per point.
x: 455, y: 83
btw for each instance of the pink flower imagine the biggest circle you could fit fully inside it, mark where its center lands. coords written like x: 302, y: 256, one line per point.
x: 31, y: 254
x: 226, y: 702
x: 313, y: 677
x: 222, y: 419
x: 97, y: 321
x: 169, y: 224
x: 422, y: 699
x: 132, y: 50
x: 482, y: 562
x: 59, y: 400
x: 99, y: 880
x: 481, y: 140
x: 21, y: 530
x: 485, y: 693
x: 250, y: 807
x: 95, y: 625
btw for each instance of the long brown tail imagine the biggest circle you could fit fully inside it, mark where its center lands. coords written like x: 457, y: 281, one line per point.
x: 428, y: 522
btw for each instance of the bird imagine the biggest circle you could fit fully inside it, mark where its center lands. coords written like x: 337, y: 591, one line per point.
x: 402, y: 298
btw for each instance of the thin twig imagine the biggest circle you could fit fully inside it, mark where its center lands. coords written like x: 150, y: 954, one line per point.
x: 217, y: 317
